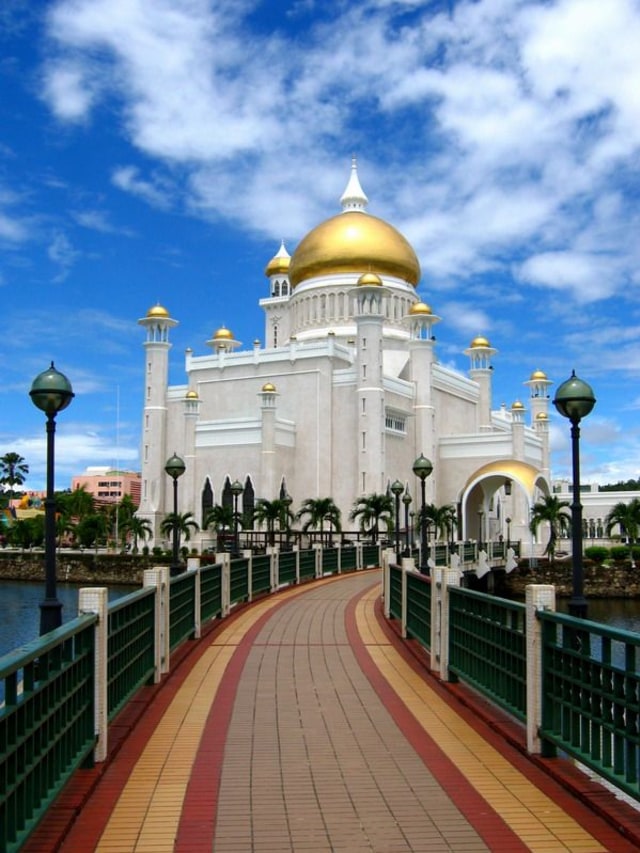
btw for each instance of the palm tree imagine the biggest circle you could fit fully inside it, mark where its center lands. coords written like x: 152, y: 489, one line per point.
x: 270, y: 512
x: 443, y: 518
x: 91, y: 529
x: 320, y: 510
x: 627, y: 517
x: 13, y: 471
x: 553, y: 511
x: 371, y: 510
x: 79, y: 503
x: 185, y: 523
x: 138, y: 528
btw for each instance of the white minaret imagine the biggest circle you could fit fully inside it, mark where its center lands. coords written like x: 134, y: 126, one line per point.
x: 268, y: 398
x: 370, y: 295
x: 277, y: 322
x: 421, y: 320
x: 154, y: 424
x: 480, y: 352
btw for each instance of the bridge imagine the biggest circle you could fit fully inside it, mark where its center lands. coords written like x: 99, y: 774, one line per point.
x: 311, y: 700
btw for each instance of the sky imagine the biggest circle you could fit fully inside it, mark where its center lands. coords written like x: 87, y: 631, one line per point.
x: 159, y: 150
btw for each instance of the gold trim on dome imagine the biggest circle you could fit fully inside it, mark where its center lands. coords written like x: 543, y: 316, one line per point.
x: 157, y: 311
x: 192, y: 395
x: 277, y: 265
x: 268, y: 388
x: 369, y: 279
x: 223, y: 334
x: 350, y: 242
x: 542, y: 416
x: 518, y: 405
x: 538, y: 374
x: 480, y: 341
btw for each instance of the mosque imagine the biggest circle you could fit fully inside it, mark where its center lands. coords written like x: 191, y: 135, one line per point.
x: 346, y: 392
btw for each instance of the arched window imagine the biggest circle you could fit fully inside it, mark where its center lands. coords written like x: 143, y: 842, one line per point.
x: 248, y: 503
x: 207, y: 501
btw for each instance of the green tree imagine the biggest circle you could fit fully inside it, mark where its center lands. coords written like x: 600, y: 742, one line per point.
x: 184, y: 522
x: 271, y: 513
x: 320, y: 511
x: 125, y: 510
x: 626, y: 516
x: 443, y: 518
x: 13, y: 471
x: 91, y: 530
x: 371, y: 510
x: 554, y: 512
x: 78, y: 503
x: 137, y: 528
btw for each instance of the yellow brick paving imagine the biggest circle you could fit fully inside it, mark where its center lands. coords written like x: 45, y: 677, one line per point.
x: 536, y: 819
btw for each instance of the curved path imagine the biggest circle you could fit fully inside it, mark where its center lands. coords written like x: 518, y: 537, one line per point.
x: 300, y: 724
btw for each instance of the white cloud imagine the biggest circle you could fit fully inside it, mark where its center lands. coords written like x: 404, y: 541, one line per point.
x: 127, y: 178
x: 62, y: 254
x: 585, y: 276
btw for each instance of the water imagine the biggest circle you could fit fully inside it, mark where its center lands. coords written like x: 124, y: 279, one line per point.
x: 20, y: 610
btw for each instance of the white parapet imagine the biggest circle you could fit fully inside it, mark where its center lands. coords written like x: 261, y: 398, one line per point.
x: 537, y: 597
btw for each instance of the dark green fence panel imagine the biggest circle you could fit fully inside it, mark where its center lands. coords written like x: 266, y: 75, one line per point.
x: 395, y: 592
x: 46, y: 730
x: 440, y: 554
x: 261, y: 574
x: 370, y: 555
x: 307, y: 565
x: 131, y: 647
x: 487, y: 647
x: 239, y: 580
x: 329, y: 561
x: 591, y: 696
x: 182, y: 598
x: 419, y: 608
x: 348, y: 559
x: 287, y: 567
x: 210, y: 592
x: 498, y: 550
x: 468, y: 552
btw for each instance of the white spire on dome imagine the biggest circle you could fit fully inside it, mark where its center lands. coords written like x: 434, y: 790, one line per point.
x: 282, y: 251
x: 353, y: 198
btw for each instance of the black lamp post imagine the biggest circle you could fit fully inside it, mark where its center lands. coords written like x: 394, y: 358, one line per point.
x: 287, y: 500
x: 236, y: 491
x: 406, y: 500
x: 480, y: 515
x: 51, y: 392
x: 175, y: 468
x: 397, y: 489
x: 508, y: 520
x: 422, y: 468
x: 574, y: 400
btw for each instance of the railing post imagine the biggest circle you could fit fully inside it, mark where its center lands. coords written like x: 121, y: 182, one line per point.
x: 359, y: 557
x: 224, y: 558
x: 386, y: 586
x: 450, y: 577
x: 197, y: 599
x: 274, y: 569
x: 96, y: 600
x: 537, y: 597
x: 250, y: 577
x: 317, y: 547
x: 296, y: 549
x: 339, y: 547
x: 159, y: 578
x: 403, y: 607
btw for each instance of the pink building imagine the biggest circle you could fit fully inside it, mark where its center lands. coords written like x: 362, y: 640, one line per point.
x: 108, y: 485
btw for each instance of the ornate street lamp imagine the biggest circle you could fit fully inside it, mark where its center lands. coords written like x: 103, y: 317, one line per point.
x: 574, y: 400
x: 422, y: 468
x: 508, y: 520
x: 396, y: 490
x: 51, y: 392
x: 236, y: 490
x: 175, y: 468
x: 406, y: 500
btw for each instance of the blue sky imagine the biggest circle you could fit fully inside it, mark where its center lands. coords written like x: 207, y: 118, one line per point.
x: 159, y: 150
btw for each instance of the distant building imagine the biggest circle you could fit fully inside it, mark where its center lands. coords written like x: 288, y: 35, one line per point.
x: 109, y: 485
x: 596, y: 505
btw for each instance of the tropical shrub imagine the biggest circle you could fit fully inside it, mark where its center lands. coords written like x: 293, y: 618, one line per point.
x: 619, y: 553
x: 597, y: 553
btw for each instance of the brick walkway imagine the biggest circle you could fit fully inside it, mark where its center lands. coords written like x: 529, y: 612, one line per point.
x: 301, y: 724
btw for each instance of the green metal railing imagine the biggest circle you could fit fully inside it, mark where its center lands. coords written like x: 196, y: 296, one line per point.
x: 307, y: 565
x: 591, y: 697
x: 370, y: 555
x: 487, y: 647
x: 329, y: 560
x: 181, y: 608
x: 46, y: 726
x: 419, y: 608
x: 239, y: 583
x: 131, y: 638
x: 261, y: 574
x: 395, y: 592
x: 210, y: 592
x: 287, y: 567
x: 349, y: 560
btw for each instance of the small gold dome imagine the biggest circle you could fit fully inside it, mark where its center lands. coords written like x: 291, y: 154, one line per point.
x: 223, y: 334
x: 279, y: 263
x: 369, y: 279
x: 268, y: 388
x: 157, y: 311
x: 538, y: 374
x: 542, y: 416
x: 480, y: 341
x: 192, y: 395
x: 350, y: 242
x: 420, y: 308
x: 517, y: 406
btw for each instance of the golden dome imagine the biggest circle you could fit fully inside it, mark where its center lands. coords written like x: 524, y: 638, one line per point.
x: 517, y: 406
x: 279, y: 263
x: 157, y: 311
x: 223, y: 334
x: 192, y: 395
x: 542, y: 416
x: 538, y: 374
x: 269, y: 388
x: 369, y: 279
x: 420, y: 308
x: 480, y: 341
x: 350, y: 242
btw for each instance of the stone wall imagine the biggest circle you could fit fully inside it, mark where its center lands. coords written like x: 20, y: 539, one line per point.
x: 86, y: 568
x: 615, y: 581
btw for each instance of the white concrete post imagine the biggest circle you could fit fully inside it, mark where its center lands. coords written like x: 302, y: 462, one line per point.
x: 318, y: 552
x: 451, y: 577
x: 249, y: 577
x: 274, y: 569
x: 537, y: 597
x: 339, y: 559
x: 403, y: 607
x: 197, y: 600
x: 159, y: 579
x: 386, y: 586
x: 96, y: 600
x: 225, y: 559
x: 359, y: 557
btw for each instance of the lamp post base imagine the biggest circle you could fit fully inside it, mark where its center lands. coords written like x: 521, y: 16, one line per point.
x: 578, y: 607
x: 50, y: 615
